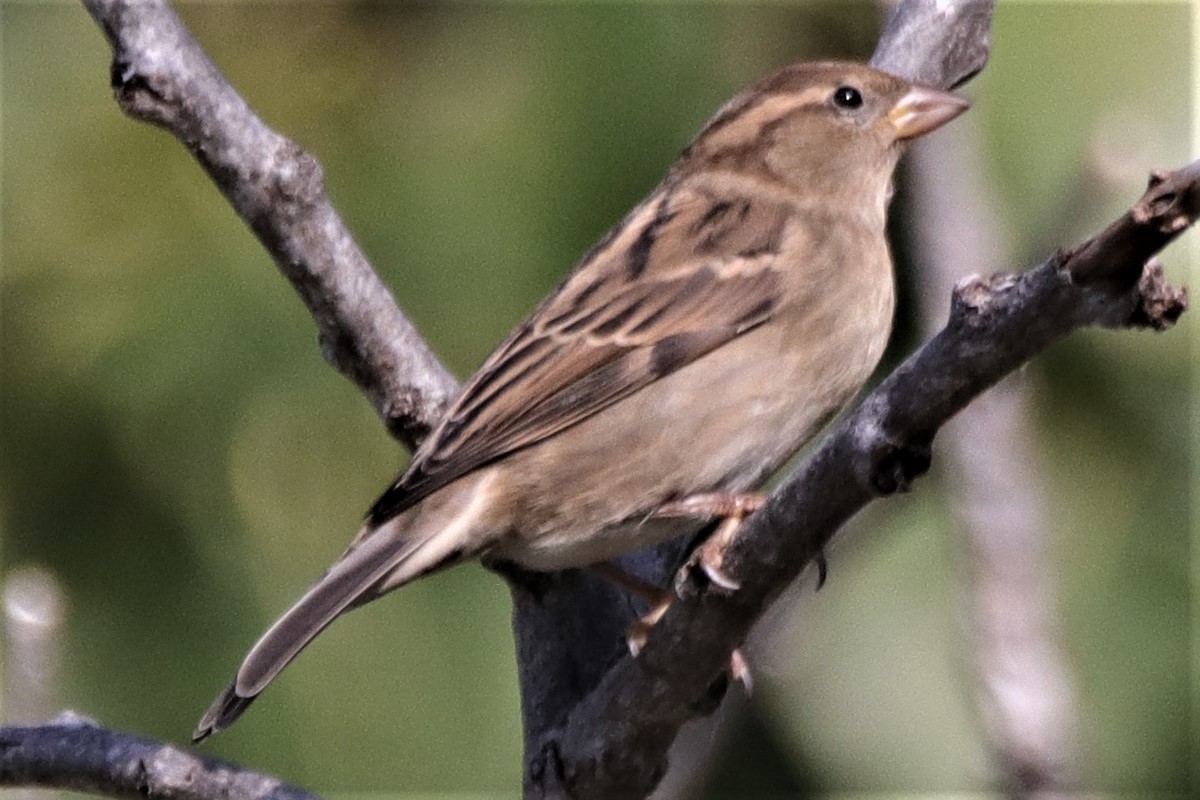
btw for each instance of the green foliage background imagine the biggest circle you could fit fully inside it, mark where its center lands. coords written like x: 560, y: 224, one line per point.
x: 173, y: 447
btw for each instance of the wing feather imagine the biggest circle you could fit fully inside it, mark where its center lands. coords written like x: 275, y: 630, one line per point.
x: 609, y: 331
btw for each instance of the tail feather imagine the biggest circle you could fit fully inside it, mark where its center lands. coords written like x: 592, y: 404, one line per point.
x: 224, y: 711
x: 382, y: 554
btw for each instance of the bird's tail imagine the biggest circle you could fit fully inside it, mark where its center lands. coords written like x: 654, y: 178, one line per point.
x: 380, y: 560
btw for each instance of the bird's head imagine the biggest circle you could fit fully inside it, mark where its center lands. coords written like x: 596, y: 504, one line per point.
x: 826, y: 129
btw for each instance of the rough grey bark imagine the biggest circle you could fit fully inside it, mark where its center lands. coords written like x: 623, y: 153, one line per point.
x: 613, y: 742
x: 598, y: 723
x: 937, y: 43
x: 75, y: 753
x: 161, y: 75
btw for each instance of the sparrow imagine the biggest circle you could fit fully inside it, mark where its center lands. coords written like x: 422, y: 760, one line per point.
x: 693, y: 350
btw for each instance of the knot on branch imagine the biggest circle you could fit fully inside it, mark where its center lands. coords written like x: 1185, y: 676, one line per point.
x: 406, y: 414
x: 140, y: 94
x: 1169, y: 204
x: 1159, y: 304
x: 898, y: 464
x: 975, y: 295
x: 885, y: 463
x: 296, y: 176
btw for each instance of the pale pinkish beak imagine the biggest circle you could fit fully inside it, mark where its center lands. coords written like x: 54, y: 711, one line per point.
x: 923, y: 109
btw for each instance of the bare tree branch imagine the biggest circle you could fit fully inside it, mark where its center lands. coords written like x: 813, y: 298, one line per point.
x: 940, y: 43
x: 161, y: 75
x: 614, y: 741
x: 954, y: 43
x: 597, y: 723
x: 75, y: 753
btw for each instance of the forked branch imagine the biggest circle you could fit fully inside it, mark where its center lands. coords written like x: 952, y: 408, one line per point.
x: 604, y: 731
x: 614, y: 742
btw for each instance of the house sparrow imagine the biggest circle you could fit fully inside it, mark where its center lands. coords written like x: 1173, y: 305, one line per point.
x: 689, y: 354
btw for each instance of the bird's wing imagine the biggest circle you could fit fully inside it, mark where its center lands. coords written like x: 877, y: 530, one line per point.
x: 684, y: 273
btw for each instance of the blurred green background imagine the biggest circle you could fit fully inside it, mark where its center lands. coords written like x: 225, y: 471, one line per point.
x: 173, y: 447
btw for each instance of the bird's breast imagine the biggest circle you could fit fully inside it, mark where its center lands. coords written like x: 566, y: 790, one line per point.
x: 724, y: 422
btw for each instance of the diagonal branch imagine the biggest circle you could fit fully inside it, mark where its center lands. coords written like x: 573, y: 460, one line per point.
x: 161, y: 75
x: 603, y: 731
x: 615, y: 739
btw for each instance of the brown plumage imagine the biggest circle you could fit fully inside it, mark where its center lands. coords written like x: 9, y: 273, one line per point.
x: 693, y: 350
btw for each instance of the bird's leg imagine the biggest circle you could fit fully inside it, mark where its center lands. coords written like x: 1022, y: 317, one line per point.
x: 714, y: 504
x: 735, y: 508
x: 710, y: 555
x: 660, y: 600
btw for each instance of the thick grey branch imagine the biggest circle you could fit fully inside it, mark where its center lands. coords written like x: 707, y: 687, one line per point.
x: 954, y: 39
x: 936, y: 43
x: 75, y: 753
x: 162, y: 76
x: 616, y: 723
x: 954, y: 42
x: 614, y: 741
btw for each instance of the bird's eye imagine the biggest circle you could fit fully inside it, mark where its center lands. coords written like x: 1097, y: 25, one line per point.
x: 847, y: 97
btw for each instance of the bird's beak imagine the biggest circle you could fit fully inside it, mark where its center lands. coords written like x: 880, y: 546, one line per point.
x: 923, y: 109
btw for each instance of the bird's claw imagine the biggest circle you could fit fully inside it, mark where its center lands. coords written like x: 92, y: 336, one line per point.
x: 708, y: 559
x: 822, y: 568
x: 739, y: 670
x: 639, y: 634
x: 639, y: 631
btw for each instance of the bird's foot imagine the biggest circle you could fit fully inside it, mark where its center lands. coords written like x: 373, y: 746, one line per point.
x: 639, y: 631
x: 709, y: 557
x: 660, y: 600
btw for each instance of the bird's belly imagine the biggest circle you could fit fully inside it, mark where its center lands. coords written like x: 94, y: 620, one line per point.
x: 715, y: 425
x: 563, y: 547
